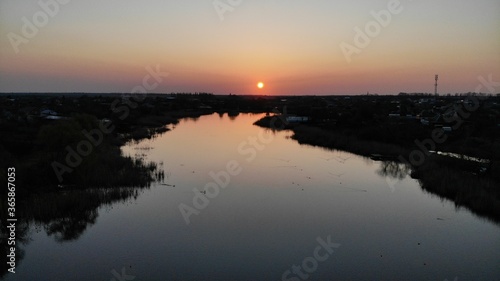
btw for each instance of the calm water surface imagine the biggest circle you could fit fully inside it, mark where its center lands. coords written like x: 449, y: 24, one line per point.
x: 269, y: 218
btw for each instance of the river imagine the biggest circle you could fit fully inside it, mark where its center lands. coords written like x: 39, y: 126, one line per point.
x: 239, y: 202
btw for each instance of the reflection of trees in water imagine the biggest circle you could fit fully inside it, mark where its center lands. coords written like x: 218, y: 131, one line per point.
x: 193, y: 118
x: 71, y: 227
x: 64, y: 215
x: 393, y: 170
x: 232, y: 115
x: 479, y: 195
x: 67, y: 214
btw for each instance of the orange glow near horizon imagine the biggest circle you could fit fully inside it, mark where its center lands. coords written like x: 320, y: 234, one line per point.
x: 89, y: 50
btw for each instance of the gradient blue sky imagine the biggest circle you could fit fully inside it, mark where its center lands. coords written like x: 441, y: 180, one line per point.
x: 292, y: 46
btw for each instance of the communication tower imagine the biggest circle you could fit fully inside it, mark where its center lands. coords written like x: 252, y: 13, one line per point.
x: 436, y: 85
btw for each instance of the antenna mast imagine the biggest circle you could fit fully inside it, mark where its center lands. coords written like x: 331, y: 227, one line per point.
x: 436, y: 85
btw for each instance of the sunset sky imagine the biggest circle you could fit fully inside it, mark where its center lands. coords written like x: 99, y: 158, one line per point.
x: 292, y: 46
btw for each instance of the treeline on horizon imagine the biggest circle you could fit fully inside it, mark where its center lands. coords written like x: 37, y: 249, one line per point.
x: 92, y: 94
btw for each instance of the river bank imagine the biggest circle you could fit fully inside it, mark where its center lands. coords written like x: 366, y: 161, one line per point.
x: 454, y: 179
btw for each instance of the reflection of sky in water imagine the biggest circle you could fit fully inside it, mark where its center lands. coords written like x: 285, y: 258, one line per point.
x: 269, y: 217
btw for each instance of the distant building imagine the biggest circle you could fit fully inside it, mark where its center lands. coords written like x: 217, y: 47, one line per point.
x: 204, y: 106
x: 54, y: 117
x: 297, y: 119
x: 436, y: 120
x: 47, y: 112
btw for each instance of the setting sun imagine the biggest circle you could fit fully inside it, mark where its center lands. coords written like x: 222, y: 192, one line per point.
x: 260, y: 85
